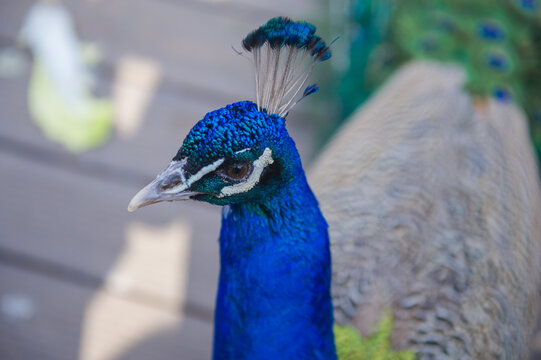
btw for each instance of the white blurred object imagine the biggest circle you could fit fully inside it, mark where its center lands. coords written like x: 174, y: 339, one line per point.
x: 57, y: 48
x: 60, y: 97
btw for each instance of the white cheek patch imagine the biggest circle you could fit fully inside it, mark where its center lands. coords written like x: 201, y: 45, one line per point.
x: 259, y: 165
x: 188, y: 182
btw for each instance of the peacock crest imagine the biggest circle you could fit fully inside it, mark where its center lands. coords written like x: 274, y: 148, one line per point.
x: 284, y: 54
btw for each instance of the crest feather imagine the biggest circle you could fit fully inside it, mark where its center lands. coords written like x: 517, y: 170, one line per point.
x: 284, y: 54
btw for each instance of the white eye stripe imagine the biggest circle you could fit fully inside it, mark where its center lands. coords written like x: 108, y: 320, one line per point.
x: 259, y: 165
x: 202, y: 172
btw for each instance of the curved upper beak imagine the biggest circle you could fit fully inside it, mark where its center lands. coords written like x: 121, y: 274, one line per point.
x: 170, y: 185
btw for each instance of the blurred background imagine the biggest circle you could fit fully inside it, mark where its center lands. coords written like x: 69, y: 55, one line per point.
x: 96, y: 97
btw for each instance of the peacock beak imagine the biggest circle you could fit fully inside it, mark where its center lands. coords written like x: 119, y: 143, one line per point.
x: 170, y: 185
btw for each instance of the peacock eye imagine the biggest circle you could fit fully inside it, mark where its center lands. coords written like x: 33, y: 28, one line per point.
x: 238, y: 171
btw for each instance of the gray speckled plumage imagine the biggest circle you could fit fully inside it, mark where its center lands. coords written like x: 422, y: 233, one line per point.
x: 433, y: 205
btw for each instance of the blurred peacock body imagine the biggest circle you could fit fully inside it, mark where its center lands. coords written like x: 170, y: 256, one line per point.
x: 439, y: 195
x: 434, y: 214
x: 433, y: 247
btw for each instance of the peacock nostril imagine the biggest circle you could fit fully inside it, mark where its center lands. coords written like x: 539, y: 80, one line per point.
x: 171, y: 183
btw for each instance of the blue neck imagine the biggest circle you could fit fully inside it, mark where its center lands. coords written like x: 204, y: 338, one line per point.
x: 274, y: 290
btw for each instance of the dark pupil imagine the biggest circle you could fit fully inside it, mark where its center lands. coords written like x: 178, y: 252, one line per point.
x: 237, y: 171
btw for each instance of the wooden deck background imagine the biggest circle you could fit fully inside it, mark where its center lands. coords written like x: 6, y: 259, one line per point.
x: 80, y: 277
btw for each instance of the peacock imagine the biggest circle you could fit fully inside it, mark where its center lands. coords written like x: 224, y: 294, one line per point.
x: 379, y: 182
x: 437, y: 215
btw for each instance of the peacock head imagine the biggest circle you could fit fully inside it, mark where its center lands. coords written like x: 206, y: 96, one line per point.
x: 242, y: 152
x: 233, y: 154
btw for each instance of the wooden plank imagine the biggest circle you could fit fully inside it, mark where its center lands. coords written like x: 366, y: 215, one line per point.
x: 42, y: 318
x: 242, y: 9
x: 81, y: 223
x: 192, y: 44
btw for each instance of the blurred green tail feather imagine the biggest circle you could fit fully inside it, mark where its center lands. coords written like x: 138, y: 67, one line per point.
x: 497, y: 42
